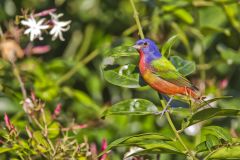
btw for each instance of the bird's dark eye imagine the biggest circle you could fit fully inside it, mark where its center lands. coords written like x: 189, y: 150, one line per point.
x: 145, y: 43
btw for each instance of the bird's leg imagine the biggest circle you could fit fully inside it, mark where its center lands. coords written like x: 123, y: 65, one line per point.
x: 188, y: 97
x: 165, y: 109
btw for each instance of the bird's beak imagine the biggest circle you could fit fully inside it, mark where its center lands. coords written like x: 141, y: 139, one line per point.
x: 137, y: 46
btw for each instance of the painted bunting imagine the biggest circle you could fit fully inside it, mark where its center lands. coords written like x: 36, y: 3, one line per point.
x: 158, y: 72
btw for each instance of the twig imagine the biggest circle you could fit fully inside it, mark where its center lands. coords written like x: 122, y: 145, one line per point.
x: 176, y: 132
x: 135, y: 15
x: 17, y: 74
x: 86, y: 42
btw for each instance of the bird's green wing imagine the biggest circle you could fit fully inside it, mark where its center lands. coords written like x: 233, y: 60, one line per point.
x: 164, y: 69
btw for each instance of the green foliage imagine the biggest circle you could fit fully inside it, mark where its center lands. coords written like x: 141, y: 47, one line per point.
x: 183, y: 66
x: 132, y: 107
x: 94, y: 74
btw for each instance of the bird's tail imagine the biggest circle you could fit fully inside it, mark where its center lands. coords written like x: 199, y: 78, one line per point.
x: 197, y: 96
x: 192, y: 92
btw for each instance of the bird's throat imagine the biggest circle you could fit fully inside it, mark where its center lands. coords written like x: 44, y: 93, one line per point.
x: 142, y: 63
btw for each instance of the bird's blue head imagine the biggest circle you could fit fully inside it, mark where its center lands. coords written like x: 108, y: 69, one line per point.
x: 148, y: 48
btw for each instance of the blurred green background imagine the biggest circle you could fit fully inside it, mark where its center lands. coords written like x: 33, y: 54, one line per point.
x: 208, y: 31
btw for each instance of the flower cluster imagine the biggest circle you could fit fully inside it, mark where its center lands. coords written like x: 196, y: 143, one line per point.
x: 36, y: 25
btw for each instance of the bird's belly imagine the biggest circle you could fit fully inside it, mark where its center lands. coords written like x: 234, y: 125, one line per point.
x: 161, y: 85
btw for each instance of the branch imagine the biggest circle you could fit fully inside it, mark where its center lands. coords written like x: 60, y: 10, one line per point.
x: 17, y: 74
x: 176, y: 132
x: 135, y: 15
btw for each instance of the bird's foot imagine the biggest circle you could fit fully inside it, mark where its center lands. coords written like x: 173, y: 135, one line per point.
x: 163, y: 112
x: 166, y: 108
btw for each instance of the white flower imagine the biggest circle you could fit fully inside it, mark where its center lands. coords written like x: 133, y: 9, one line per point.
x: 59, y: 26
x: 34, y: 28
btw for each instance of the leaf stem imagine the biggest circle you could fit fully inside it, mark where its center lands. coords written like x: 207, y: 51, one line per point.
x: 17, y: 74
x: 86, y: 42
x: 136, y: 17
x: 176, y: 132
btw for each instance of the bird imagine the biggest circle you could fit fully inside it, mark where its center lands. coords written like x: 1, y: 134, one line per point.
x: 160, y: 74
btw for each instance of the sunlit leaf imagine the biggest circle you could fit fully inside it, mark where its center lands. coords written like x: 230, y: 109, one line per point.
x: 183, y: 66
x: 229, y: 55
x: 211, y: 141
x: 209, y: 113
x: 167, y: 45
x: 53, y: 130
x: 232, y: 13
x: 122, y: 51
x: 132, y: 107
x: 152, y: 142
x: 217, y: 131
x: 40, y: 138
x: 209, y: 101
x: 3, y: 149
x: 138, y: 139
x: 181, y: 111
x: 201, y: 147
x: 124, y: 76
x: 227, y: 152
x: 159, y: 148
x: 184, y: 15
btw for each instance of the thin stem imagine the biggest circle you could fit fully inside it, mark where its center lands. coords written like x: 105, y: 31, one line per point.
x: 135, y: 15
x: 176, y: 132
x: 134, y: 28
x: 51, y: 145
x: 71, y: 72
x: 38, y: 123
x: 86, y: 42
x: 17, y: 74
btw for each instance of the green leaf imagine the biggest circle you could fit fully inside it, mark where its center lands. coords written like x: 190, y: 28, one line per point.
x: 209, y: 113
x: 159, y: 148
x: 168, y: 45
x: 122, y: 51
x: 7, y: 105
x: 211, y: 137
x: 232, y: 12
x: 225, y: 153
x: 152, y: 142
x: 124, y: 76
x: 183, y: 66
x: 184, y: 15
x: 184, y: 112
x: 201, y: 147
x: 208, y: 102
x: 211, y: 141
x: 82, y: 97
x: 218, y: 132
x: 40, y: 142
x: 138, y: 139
x: 47, y: 117
x: 3, y: 149
x: 229, y: 55
x: 208, y: 30
x: 209, y: 144
x: 53, y: 130
x: 132, y: 107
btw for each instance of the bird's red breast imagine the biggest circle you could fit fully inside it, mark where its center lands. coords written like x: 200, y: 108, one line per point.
x: 161, y: 85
